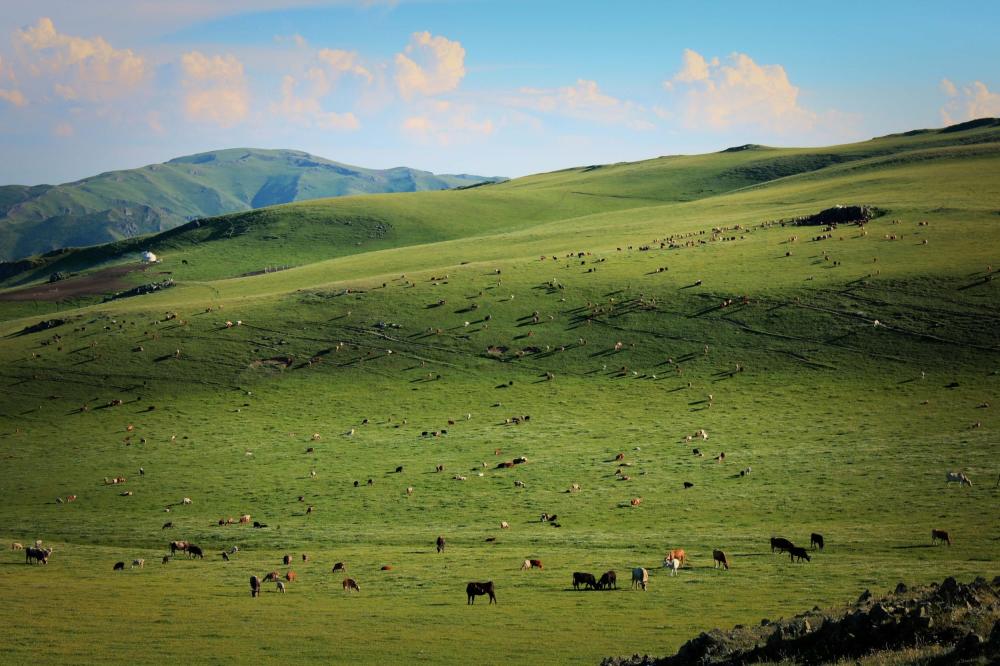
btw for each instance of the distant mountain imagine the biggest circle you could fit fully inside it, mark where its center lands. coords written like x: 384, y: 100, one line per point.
x: 159, y: 197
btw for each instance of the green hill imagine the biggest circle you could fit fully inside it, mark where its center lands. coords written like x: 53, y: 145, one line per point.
x: 158, y: 197
x: 620, y: 327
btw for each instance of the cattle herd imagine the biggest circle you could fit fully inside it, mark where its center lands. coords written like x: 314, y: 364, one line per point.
x: 673, y: 561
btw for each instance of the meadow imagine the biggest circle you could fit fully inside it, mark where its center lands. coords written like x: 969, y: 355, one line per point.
x: 848, y: 426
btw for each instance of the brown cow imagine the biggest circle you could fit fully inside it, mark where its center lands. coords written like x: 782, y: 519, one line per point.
x: 676, y: 554
x: 351, y: 584
x: 291, y: 577
x: 940, y: 535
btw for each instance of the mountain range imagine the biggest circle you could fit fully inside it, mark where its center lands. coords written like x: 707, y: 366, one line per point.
x: 158, y: 197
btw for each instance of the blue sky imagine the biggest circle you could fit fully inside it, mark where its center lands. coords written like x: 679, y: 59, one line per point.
x: 496, y: 88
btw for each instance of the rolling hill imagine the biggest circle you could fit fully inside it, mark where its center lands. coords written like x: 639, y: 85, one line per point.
x: 620, y: 327
x: 158, y: 197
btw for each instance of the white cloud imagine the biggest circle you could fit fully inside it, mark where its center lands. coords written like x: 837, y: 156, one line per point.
x: 15, y: 97
x: 215, y: 89
x: 344, y: 62
x: 738, y: 92
x: 80, y: 68
x: 446, y: 123
x: 583, y: 101
x: 968, y: 102
x: 306, y: 110
x: 63, y: 129
x: 429, y: 66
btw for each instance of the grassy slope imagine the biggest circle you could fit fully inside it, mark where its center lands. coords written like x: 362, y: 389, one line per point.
x: 844, y: 433
x: 157, y: 197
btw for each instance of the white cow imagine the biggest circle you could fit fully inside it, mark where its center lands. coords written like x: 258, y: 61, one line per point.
x: 673, y: 565
x: 959, y: 477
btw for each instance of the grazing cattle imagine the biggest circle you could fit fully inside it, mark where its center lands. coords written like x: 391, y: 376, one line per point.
x: 439, y: 468
x: 640, y: 578
x: 798, y: 552
x: 409, y: 491
x: 40, y: 555
x: 386, y: 567
x: 531, y: 564
x: 305, y: 558
x: 166, y: 558
x: 473, y: 590
x: 225, y: 556
x: 245, y: 519
x: 636, y: 501
x: 195, y: 551
x: 440, y: 544
x: 816, y: 540
x: 575, y: 488
x: 675, y: 554
x: 167, y: 525
x: 781, y: 544
x: 16, y: 546
x: 339, y: 566
x: 286, y: 560
x: 254, y: 586
x: 519, y: 484
x: 281, y: 587
x: 72, y: 498
x: 526, y: 565
x: 258, y: 525
x: 608, y: 580
x: 119, y: 566
x: 399, y: 469
x: 186, y: 500
x: 272, y: 577
x: 141, y: 563
x: 688, y: 484
x: 672, y: 564
x: 952, y: 477
x: 351, y: 584
x: 936, y: 535
x: 291, y: 577
x: 587, y: 580
x: 720, y: 559
x: 504, y: 525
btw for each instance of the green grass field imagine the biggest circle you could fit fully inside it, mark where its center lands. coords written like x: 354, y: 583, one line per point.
x: 848, y: 427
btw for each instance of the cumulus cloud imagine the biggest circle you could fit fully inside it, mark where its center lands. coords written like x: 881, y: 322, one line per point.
x: 429, y: 66
x: 446, y: 123
x: 305, y: 109
x: 584, y: 101
x: 344, y: 62
x: 968, y: 102
x: 215, y: 89
x: 63, y: 130
x: 737, y: 92
x: 80, y: 68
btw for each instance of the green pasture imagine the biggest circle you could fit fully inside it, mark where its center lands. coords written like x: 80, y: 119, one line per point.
x: 848, y: 427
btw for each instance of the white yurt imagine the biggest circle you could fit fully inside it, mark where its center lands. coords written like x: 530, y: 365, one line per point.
x: 149, y: 257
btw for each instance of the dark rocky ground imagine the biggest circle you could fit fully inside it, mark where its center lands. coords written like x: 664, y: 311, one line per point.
x: 962, y: 619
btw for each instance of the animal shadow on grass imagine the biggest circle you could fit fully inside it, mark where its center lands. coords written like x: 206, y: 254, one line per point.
x: 915, y: 545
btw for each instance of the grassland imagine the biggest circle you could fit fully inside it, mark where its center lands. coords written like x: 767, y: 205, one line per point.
x: 849, y: 427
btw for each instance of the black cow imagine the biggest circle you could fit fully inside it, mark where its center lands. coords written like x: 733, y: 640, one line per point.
x: 816, y: 540
x: 40, y: 555
x: 474, y: 590
x: 195, y: 551
x: 254, y: 586
x: 608, y: 580
x: 800, y: 553
x: 586, y: 579
x: 781, y: 544
x: 440, y: 544
x: 119, y: 566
